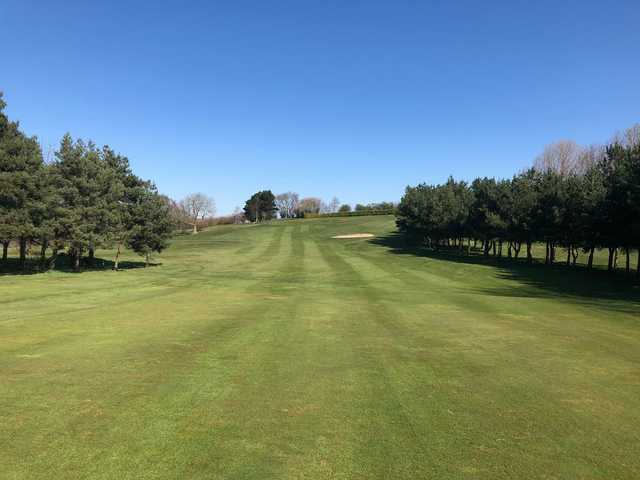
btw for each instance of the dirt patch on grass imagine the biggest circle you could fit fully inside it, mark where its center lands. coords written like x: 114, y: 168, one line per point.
x: 355, y: 235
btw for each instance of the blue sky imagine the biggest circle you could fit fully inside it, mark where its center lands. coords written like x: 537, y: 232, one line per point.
x: 349, y: 98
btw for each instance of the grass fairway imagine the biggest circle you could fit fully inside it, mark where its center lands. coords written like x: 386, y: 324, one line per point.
x: 275, y: 351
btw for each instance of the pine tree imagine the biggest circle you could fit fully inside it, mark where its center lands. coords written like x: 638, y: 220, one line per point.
x: 150, y: 226
x: 90, y: 188
x: 20, y: 196
x: 261, y: 206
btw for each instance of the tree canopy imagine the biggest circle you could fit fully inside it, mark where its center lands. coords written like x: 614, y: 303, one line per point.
x: 564, y: 201
x: 87, y: 198
x: 261, y: 206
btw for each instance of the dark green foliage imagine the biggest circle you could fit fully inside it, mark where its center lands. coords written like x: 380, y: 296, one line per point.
x: 149, y: 223
x: 87, y: 198
x: 388, y: 207
x: 261, y: 206
x: 89, y: 188
x: 599, y: 208
x: 21, y: 185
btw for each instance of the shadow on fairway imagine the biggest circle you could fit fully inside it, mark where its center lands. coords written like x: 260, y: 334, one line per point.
x: 535, y: 280
x: 63, y: 264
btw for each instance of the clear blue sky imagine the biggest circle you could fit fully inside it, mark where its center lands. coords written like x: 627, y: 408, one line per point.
x: 349, y: 98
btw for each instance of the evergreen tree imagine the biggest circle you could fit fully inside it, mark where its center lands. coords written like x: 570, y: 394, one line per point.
x: 89, y: 188
x: 149, y: 222
x: 261, y: 206
x: 20, y: 193
x: 524, y: 203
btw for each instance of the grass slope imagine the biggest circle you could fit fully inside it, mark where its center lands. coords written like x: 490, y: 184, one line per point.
x: 274, y: 351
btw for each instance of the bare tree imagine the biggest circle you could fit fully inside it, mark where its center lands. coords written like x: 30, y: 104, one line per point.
x: 631, y: 136
x: 177, y: 214
x: 238, y: 215
x: 562, y: 157
x: 334, y: 205
x: 310, y: 205
x: 287, y: 204
x: 325, y: 207
x: 589, y: 157
x: 196, y: 207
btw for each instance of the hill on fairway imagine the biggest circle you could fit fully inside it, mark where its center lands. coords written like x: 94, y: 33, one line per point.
x: 276, y: 351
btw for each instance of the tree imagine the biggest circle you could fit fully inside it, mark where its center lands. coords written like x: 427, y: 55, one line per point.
x: 178, y: 216
x: 89, y: 186
x: 238, y: 215
x: 46, y: 217
x: 309, y: 205
x: 618, y: 207
x: 149, y: 227
x: 417, y: 217
x: 524, y: 197
x: 581, y: 201
x: 334, y: 204
x: 21, y: 188
x: 197, y: 206
x: 344, y: 208
x: 380, y: 207
x: 87, y: 198
x: 563, y: 158
x: 287, y: 204
x: 261, y: 206
x: 484, y: 218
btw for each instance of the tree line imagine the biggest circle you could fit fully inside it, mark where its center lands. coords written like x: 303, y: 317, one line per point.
x: 579, y: 199
x: 86, y: 198
x: 265, y: 205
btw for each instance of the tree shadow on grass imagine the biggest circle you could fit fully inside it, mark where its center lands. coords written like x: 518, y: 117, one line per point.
x: 63, y: 263
x: 620, y: 292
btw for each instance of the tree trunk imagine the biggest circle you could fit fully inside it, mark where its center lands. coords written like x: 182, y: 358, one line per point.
x: 552, y: 250
x: 569, y: 255
x: 54, y: 257
x: 615, y: 259
x: 574, y: 253
x: 487, y: 245
x: 493, y: 244
x: 500, y: 249
x: 5, y: 250
x: 547, y: 254
x: 590, y: 261
x: 23, y: 252
x: 628, y: 261
x: 516, y: 249
x: 610, y: 264
x: 91, y: 258
x: 509, y: 250
x: 116, y: 260
x: 195, y: 228
x: 43, y: 254
x: 76, y: 256
x: 529, y: 256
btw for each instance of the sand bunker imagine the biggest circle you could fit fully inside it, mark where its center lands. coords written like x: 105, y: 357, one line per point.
x: 355, y: 235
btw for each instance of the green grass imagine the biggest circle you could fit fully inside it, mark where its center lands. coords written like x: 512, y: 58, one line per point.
x: 274, y: 351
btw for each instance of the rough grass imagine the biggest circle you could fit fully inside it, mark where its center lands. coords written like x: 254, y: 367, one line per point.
x: 277, y: 352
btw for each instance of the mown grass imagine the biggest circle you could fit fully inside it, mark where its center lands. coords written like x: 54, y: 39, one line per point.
x: 274, y: 351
